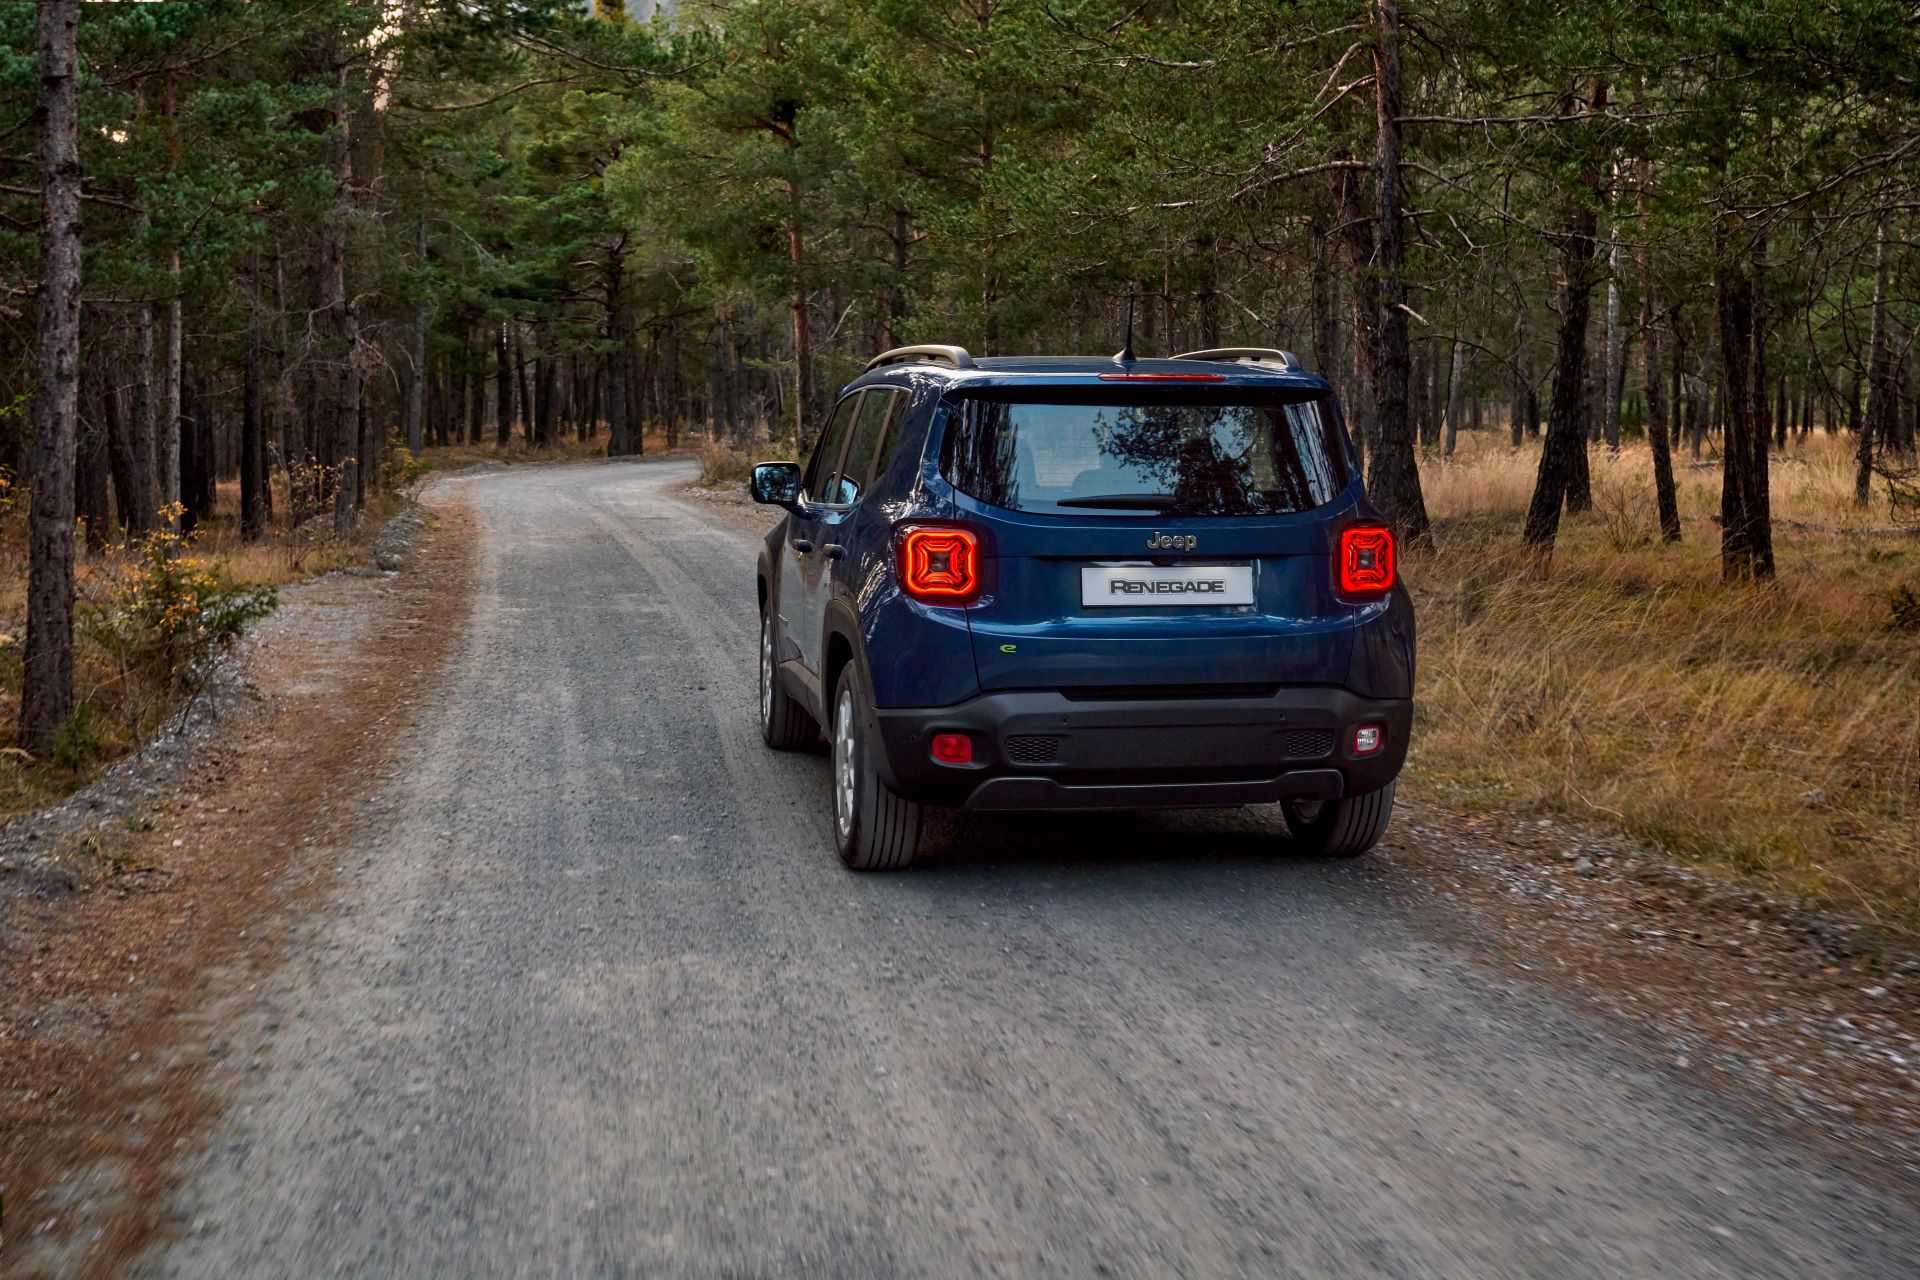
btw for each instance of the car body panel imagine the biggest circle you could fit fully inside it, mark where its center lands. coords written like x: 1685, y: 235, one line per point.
x: 1297, y: 651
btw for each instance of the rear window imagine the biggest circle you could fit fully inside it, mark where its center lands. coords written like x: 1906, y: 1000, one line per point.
x: 1063, y: 452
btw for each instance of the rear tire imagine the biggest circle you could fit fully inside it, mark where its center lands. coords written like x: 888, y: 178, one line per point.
x: 874, y: 829
x: 1344, y: 828
x: 784, y: 723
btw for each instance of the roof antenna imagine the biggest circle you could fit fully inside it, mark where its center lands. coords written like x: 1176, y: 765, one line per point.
x: 1125, y: 354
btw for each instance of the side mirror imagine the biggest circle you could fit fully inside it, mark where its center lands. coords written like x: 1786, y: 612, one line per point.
x: 777, y: 484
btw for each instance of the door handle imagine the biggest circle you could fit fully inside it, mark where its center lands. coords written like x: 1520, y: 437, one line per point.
x: 835, y: 551
x: 803, y: 544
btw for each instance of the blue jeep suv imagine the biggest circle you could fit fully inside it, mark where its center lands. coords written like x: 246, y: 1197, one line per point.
x: 1085, y: 583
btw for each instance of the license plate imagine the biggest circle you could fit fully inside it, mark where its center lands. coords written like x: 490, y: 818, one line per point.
x: 1152, y: 586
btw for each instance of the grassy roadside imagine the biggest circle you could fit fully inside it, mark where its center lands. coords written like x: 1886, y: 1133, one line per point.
x: 1770, y: 732
x: 143, y: 618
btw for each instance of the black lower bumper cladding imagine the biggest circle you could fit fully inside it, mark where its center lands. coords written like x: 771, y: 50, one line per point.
x: 1039, y: 749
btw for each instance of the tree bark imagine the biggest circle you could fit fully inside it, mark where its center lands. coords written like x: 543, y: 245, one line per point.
x: 1659, y: 441
x: 142, y: 501
x: 91, y: 493
x: 502, y: 387
x: 1456, y: 378
x: 417, y: 388
x: 525, y: 414
x: 1616, y: 351
x: 166, y: 441
x: 1395, y: 478
x: 340, y: 308
x: 1746, y: 539
x: 802, y: 333
x: 46, y: 696
x: 1877, y: 423
x: 1357, y: 228
x: 1325, y: 319
x: 122, y: 458
x: 1562, y: 477
x: 253, y: 428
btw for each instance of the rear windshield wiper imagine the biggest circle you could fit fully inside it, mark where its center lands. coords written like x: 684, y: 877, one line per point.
x: 1120, y: 501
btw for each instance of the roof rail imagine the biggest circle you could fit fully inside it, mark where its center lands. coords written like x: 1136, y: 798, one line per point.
x: 1249, y: 355
x: 938, y: 353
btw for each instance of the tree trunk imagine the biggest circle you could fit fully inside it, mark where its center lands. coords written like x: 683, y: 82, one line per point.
x: 621, y: 427
x: 1746, y: 540
x: 93, y: 503
x: 525, y: 413
x: 545, y: 394
x: 502, y: 387
x: 140, y: 503
x: 1395, y: 479
x: 339, y: 305
x: 897, y: 293
x: 1456, y: 377
x: 1357, y: 228
x: 122, y: 459
x: 1877, y: 423
x: 1616, y: 351
x: 253, y: 428
x: 166, y: 441
x: 46, y: 695
x: 417, y: 388
x: 802, y: 333
x: 1658, y: 440
x: 1562, y: 478
x: 1325, y: 324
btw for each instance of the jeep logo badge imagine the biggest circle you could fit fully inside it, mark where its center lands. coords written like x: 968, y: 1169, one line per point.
x: 1178, y: 542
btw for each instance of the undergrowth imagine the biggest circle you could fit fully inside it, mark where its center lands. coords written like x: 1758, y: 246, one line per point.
x: 1766, y: 730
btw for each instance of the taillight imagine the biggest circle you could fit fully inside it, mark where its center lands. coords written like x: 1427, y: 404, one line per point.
x: 940, y: 564
x: 952, y: 748
x: 1363, y: 563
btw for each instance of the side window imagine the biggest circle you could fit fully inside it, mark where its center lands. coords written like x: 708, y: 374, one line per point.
x: 826, y: 454
x: 877, y: 413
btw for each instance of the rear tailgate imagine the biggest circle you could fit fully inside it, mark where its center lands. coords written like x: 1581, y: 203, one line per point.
x: 1035, y: 627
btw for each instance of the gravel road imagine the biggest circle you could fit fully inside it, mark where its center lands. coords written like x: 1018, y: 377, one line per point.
x: 594, y: 997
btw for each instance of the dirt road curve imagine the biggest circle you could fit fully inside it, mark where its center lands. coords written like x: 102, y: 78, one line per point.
x: 595, y: 998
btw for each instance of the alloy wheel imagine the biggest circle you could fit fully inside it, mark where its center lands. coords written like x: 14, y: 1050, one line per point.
x: 766, y: 669
x: 843, y: 762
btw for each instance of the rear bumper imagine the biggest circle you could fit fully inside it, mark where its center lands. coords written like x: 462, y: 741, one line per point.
x: 1039, y: 749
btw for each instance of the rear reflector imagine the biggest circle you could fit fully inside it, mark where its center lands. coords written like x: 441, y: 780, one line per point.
x: 952, y: 748
x: 1163, y: 377
x: 1363, y: 562
x: 940, y: 565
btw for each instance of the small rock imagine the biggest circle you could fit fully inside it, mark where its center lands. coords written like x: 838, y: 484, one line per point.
x: 1814, y: 799
x: 1873, y: 993
x: 1584, y: 867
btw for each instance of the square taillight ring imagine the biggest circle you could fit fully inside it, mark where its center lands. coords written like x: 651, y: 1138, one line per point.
x: 1364, y: 562
x: 939, y: 564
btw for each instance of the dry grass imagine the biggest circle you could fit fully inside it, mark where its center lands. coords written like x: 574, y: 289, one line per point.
x: 724, y: 467
x: 1769, y: 731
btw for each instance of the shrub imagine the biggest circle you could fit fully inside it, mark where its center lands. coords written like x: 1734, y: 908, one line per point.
x: 403, y: 467
x: 165, y: 613
x: 722, y: 467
